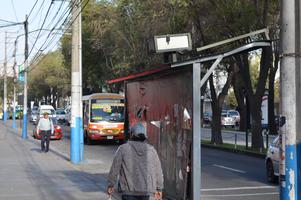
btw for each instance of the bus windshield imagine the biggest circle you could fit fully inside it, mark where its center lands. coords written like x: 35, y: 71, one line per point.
x: 107, y: 110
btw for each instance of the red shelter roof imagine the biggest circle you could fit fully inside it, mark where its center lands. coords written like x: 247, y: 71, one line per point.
x: 138, y: 75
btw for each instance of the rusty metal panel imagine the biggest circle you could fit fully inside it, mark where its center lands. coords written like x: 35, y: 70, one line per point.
x: 164, y: 102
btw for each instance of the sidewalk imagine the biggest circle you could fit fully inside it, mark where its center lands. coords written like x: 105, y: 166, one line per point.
x: 28, y: 174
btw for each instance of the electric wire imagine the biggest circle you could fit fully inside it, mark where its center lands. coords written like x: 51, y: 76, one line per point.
x: 33, y: 8
x: 7, y: 21
x: 47, y: 13
x: 62, y: 15
x: 15, y: 24
x: 82, y: 8
x: 12, y: 2
x: 60, y: 28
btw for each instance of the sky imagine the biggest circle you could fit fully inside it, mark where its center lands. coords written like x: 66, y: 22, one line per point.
x: 46, y: 14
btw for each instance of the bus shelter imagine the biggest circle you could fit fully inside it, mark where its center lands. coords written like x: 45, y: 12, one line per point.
x: 167, y: 101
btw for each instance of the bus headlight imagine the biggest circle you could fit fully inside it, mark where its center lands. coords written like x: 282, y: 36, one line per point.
x: 94, y: 131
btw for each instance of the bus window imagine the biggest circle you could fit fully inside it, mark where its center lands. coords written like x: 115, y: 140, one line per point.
x: 104, y: 110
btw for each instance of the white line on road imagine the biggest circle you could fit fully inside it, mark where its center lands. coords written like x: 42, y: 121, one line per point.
x: 239, y: 188
x: 241, y: 195
x: 228, y: 168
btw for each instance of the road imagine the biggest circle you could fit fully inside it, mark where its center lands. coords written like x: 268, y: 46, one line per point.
x: 225, y: 175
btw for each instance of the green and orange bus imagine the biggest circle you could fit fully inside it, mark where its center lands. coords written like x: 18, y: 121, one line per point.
x: 103, y: 117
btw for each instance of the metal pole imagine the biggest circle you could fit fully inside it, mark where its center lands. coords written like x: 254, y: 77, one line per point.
x: 15, y: 81
x: 24, y: 130
x: 5, y: 82
x: 247, y: 120
x: 267, y: 139
x: 196, y: 138
x: 290, y: 97
x: 235, y: 141
x: 76, y: 148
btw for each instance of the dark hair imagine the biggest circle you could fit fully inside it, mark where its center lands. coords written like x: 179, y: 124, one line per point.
x: 140, y: 137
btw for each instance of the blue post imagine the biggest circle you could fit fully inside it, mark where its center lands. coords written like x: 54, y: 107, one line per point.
x: 75, y: 149
x: 4, y: 115
x: 292, y: 191
x: 14, y: 120
x: 81, y: 140
x: 291, y: 98
x: 24, y: 130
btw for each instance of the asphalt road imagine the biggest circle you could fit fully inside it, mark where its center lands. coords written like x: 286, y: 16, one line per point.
x: 225, y: 175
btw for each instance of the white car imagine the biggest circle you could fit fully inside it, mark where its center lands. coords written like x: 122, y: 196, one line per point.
x: 272, y: 161
x: 46, y: 108
x: 227, y: 120
x: 235, y: 115
x: 68, y: 115
x: 61, y: 115
x: 34, y: 116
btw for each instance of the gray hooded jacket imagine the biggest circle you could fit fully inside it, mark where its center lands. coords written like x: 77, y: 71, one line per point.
x: 139, y: 169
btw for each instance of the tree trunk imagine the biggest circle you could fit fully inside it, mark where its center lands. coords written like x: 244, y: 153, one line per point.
x: 255, y: 99
x: 216, y: 136
x: 239, y: 95
x: 257, y: 140
x: 271, y: 105
x: 216, y: 104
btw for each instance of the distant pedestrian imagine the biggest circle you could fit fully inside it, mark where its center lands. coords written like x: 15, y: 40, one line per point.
x: 45, y: 129
x: 139, y: 169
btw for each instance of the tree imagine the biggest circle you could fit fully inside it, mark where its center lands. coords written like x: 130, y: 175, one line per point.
x: 49, y: 79
x: 216, y: 104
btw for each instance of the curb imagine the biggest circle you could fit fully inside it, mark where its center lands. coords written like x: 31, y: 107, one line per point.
x: 248, y: 153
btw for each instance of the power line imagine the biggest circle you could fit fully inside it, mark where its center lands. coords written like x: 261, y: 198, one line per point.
x: 3, y: 20
x: 15, y: 24
x: 60, y: 28
x: 36, y: 57
x: 41, y: 27
x: 33, y: 8
x: 12, y: 2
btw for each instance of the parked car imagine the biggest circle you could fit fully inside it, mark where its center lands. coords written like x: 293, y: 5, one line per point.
x: 207, y: 118
x: 61, y: 115
x: 68, y: 115
x: 227, y: 120
x: 272, y: 161
x: 57, y: 135
x: 235, y: 115
x: 46, y: 108
x: 34, y: 116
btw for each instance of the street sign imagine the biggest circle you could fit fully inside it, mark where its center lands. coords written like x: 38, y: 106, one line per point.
x: 21, y: 77
x: 21, y: 68
x: 173, y: 42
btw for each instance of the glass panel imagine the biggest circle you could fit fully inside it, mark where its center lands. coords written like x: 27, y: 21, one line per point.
x: 107, y: 110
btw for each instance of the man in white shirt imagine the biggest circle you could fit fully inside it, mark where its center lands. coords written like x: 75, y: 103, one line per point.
x: 45, y: 129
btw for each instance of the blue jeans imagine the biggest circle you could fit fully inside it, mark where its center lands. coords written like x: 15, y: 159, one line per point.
x: 132, y: 197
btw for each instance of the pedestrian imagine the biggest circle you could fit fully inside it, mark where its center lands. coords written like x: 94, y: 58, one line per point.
x: 138, y: 167
x: 45, y: 129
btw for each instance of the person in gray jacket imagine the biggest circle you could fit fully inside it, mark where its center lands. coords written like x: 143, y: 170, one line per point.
x: 138, y: 167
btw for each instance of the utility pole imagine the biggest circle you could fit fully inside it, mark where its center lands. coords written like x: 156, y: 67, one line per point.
x: 5, y: 82
x: 290, y: 99
x: 77, y: 138
x: 24, y: 130
x: 15, y: 82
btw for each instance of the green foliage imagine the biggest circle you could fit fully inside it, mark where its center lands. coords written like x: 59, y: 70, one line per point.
x: 49, y: 74
x: 231, y: 99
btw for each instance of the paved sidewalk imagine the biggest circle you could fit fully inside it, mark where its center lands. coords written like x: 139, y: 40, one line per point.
x: 28, y: 174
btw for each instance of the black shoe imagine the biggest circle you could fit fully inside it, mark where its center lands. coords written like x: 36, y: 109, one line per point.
x: 46, y: 151
x: 42, y: 150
